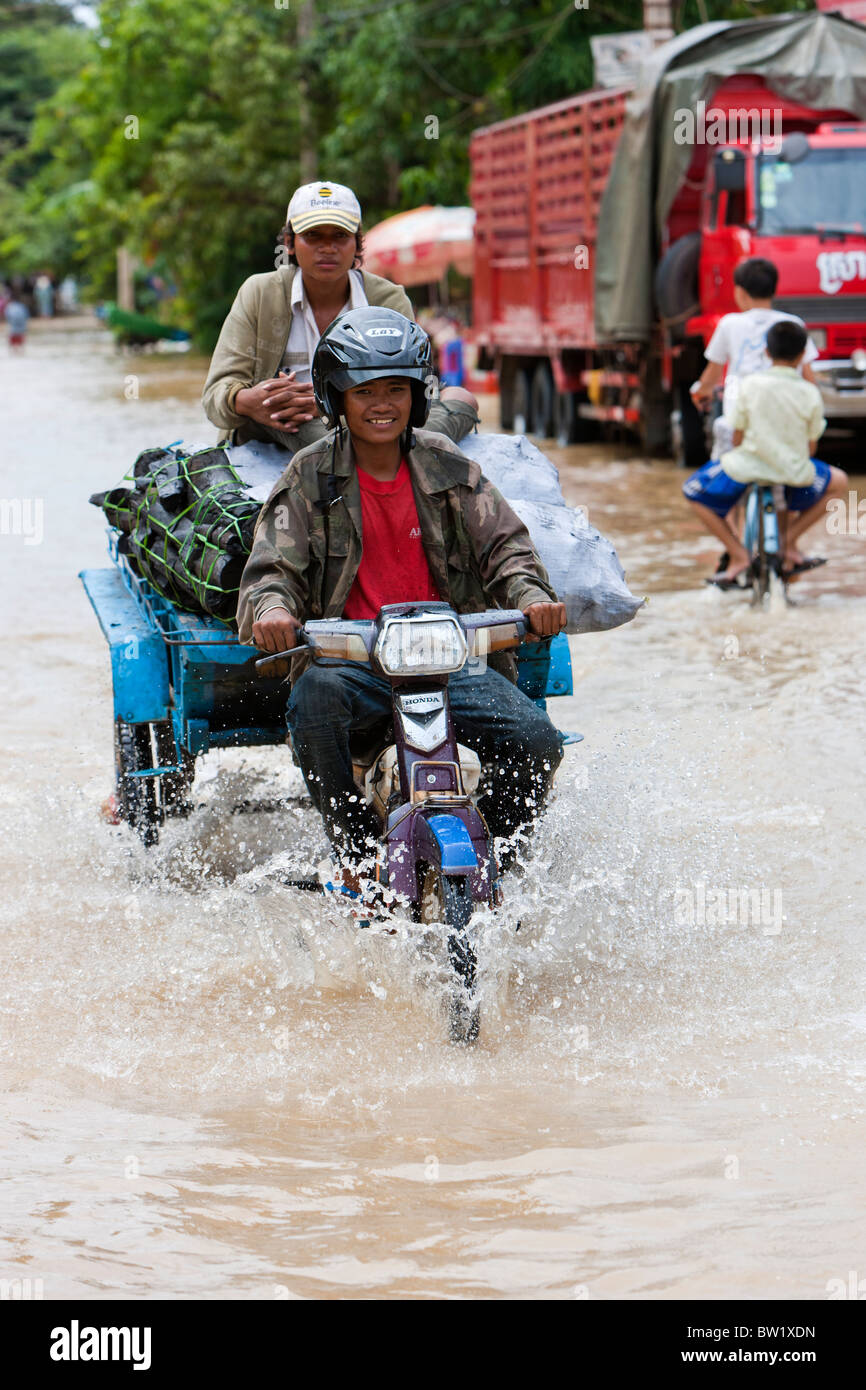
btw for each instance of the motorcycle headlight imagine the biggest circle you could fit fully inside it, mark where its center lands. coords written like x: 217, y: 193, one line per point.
x: 421, y: 646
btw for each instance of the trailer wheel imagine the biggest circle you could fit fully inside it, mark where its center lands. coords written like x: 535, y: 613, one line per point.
x: 174, y: 787
x: 564, y: 418
x: 137, y: 797
x: 522, y: 401
x: 541, y: 402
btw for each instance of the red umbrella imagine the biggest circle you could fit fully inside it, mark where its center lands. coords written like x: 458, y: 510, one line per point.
x: 417, y: 247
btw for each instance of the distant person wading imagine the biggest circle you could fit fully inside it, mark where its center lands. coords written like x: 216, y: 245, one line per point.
x: 259, y: 383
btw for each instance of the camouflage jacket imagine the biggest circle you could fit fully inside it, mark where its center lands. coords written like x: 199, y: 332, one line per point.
x: 479, y: 552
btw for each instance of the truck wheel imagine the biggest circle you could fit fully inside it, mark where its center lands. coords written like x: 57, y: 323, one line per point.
x: 507, y: 373
x: 522, y: 402
x: 564, y: 418
x: 541, y: 402
x: 676, y: 284
x: 688, y: 431
x: 137, y: 797
x: 655, y: 421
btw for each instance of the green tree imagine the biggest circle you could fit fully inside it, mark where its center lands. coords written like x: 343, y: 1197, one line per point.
x: 178, y: 129
x: 41, y: 47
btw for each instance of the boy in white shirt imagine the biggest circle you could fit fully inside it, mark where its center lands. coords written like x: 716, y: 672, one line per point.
x: 740, y: 342
x: 777, y: 420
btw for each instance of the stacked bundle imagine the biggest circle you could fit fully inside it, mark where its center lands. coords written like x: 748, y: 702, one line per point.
x: 186, y: 525
x: 583, y: 566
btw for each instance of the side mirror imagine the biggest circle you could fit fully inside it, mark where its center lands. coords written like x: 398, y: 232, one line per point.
x: 730, y: 172
x: 794, y: 147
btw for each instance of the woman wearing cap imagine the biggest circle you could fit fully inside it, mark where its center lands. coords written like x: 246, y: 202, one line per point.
x: 259, y: 383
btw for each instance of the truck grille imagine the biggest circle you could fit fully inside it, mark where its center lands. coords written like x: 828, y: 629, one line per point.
x: 820, y: 308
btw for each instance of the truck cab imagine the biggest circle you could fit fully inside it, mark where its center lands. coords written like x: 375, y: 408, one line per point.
x: 800, y: 201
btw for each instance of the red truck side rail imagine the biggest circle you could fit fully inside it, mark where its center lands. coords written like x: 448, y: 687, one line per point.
x: 536, y: 186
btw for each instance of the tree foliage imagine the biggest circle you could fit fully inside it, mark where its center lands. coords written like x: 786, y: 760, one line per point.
x: 175, y: 128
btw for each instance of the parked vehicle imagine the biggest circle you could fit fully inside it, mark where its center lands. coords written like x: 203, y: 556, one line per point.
x: 791, y: 189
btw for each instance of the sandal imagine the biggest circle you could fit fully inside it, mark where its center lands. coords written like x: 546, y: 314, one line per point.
x: 811, y: 563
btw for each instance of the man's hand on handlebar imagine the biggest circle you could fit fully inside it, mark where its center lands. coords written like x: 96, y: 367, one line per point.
x: 282, y: 402
x: 276, y: 631
x: 544, y: 620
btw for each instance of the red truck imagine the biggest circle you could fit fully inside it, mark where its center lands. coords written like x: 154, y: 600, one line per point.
x: 793, y: 191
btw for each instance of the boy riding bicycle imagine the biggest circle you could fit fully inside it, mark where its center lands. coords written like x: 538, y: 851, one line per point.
x: 777, y: 420
x: 737, y: 348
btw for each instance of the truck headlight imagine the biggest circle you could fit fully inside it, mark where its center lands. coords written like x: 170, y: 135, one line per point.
x: 858, y: 359
x: 424, y: 646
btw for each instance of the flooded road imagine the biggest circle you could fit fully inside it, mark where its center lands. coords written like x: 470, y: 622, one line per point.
x: 212, y: 1089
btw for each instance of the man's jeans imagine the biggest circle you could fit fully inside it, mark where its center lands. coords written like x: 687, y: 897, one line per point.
x: 506, y: 729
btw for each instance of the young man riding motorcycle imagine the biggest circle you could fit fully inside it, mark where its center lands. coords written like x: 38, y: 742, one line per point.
x: 388, y: 512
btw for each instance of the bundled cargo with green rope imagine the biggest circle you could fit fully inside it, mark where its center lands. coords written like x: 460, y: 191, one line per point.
x: 186, y: 522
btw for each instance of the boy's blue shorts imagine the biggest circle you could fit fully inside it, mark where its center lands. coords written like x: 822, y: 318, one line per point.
x: 713, y: 488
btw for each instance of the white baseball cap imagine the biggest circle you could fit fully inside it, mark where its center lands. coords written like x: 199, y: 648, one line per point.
x: 316, y: 203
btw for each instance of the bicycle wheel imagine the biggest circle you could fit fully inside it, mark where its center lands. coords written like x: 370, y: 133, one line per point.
x: 449, y: 900
x: 758, y: 547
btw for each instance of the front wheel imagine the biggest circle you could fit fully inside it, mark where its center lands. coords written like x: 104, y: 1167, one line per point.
x: 449, y: 900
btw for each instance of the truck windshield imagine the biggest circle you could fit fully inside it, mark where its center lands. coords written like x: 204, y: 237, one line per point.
x: 826, y: 191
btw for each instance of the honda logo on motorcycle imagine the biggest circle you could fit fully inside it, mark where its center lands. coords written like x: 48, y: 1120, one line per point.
x: 424, y: 703
x: 836, y: 268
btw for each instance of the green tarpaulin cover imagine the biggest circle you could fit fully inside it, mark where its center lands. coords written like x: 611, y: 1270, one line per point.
x: 816, y: 59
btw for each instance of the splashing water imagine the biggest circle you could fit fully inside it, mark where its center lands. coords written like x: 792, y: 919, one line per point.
x: 216, y: 1084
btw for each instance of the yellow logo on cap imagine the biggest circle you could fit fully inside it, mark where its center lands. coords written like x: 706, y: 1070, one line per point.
x: 325, y: 193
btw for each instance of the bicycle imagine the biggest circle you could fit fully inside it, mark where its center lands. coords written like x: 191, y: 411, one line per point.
x: 764, y: 524
x: 766, y: 516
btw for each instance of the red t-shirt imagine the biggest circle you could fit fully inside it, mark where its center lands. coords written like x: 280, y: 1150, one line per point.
x: 393, y: 567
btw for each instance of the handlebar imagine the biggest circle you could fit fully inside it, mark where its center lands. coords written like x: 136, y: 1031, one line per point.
x: 354, y: 639
x: 292, y: 651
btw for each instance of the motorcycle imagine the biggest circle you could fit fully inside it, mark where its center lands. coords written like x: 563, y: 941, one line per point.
x: 436, y: 851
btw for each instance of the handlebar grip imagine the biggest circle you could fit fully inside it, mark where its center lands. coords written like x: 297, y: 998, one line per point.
x: 281, y: 656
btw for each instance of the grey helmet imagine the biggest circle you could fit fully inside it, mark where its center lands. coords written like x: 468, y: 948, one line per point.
x: 364, y: 344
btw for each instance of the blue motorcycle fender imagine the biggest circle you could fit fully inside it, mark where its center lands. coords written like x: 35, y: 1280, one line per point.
x: 442, y: 838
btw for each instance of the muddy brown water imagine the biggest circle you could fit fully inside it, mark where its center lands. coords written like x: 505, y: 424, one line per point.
x: 212, y: 1088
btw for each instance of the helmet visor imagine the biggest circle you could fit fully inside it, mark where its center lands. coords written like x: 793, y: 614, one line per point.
x: 343, y: 380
